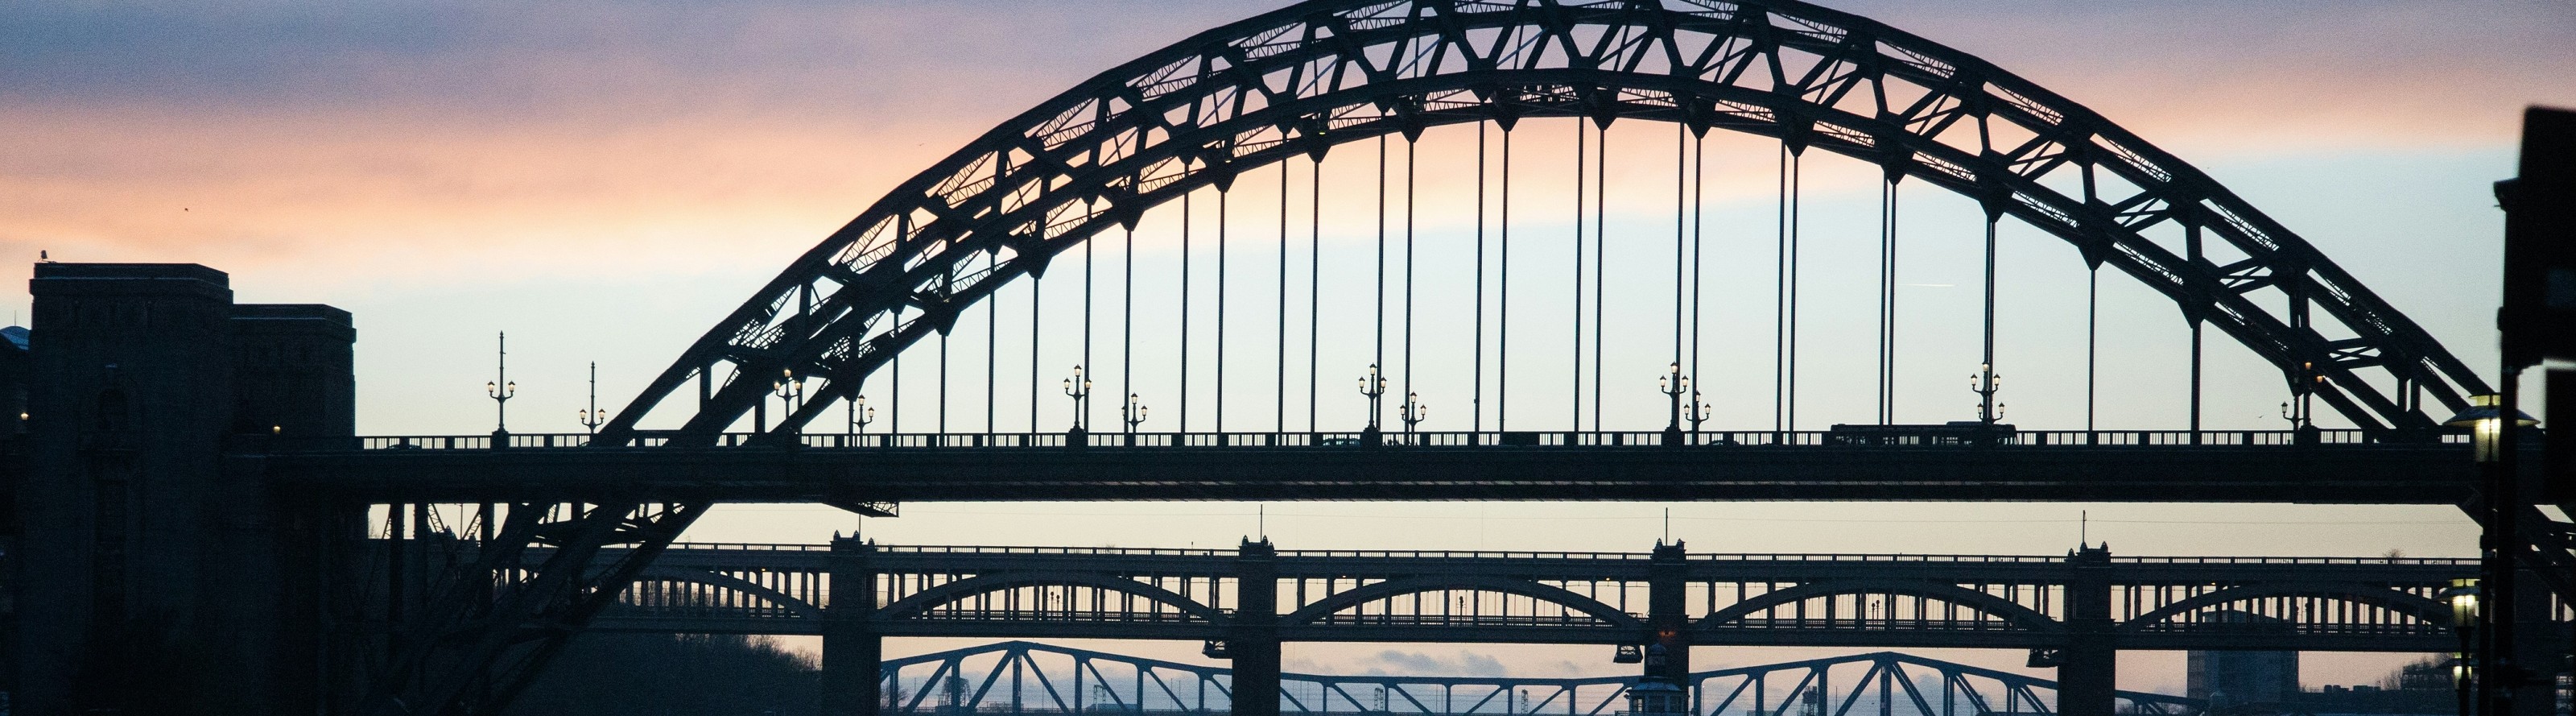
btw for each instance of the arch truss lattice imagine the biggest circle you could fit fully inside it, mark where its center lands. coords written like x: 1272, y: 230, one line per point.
x: 1302, y: 79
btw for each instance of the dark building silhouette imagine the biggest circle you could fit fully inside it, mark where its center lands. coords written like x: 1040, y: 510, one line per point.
x: 172, y: 579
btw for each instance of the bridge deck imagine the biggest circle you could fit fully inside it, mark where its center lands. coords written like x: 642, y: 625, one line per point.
x: 1982, y: 601
x: 2232, y: 466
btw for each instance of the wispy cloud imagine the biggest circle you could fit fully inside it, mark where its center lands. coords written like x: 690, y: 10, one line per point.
x: 424, y: 142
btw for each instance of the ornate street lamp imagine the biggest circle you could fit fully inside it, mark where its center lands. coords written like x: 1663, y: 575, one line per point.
x: 593, y: 417
x: 501, y: 389
x: 861, y: 415
x: 1697, y: 413
x: 1133, y: 413
x: 1412, y: 412
x: 1079, y: 389
x: 1673, y: 384
x: 2303, y: 389
x: 1373, y: 386
x: 1986, y: 383
x: 790, y: 391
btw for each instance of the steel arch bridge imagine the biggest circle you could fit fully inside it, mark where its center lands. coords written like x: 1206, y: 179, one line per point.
x: 1303, y: 79
x: 1020, y: 677
x: 1298, y: 82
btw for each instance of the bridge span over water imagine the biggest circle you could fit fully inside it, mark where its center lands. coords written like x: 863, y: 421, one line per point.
x: 1669, y: 596
x: 166, y: 421
x: 1019, y: 678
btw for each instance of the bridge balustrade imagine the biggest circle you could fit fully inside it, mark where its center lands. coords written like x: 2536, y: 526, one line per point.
x: 1784, y: 598
x: 1427, y: 439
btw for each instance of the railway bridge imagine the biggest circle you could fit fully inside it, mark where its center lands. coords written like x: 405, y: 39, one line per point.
x: 191, y: 461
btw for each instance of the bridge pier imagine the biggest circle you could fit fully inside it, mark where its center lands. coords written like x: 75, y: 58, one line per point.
x: 2087, y: 678
x: 1252, y: 641
x: 1668, y: 614
x: 852, y: 651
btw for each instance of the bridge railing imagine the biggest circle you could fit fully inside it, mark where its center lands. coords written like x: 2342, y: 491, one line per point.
x: 1007, y: 549
x: 1799, y: 557
x: 1421, y: 439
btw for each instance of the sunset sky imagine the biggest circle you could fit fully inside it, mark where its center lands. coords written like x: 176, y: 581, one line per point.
x: 604, y: 181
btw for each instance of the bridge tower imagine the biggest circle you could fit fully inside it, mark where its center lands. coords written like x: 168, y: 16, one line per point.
x: 174, y: 579
x: 2087, y: 682
x: 852, y: 652
x: 1252, y: 641
x: 1668, y: 614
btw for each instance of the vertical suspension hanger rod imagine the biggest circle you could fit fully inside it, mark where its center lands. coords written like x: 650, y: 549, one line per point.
x: 1184, y: 419
x: 1223, y: 191
x: 1699, y: 215
x: 1378, y: 358
x: 1476, y: 399
x: 1314, y: 289
x: 1600, y: 260
x: 1409, y: 407
x: 1127, y: 329
x: 1503, y: 295
x: 1574, y: 407
x: 1280, y: 391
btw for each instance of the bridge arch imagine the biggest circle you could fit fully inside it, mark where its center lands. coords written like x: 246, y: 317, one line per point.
x: 1594, y: 608
x: 1980, y: 602
x: 801, y: 608
x: 922, y: 601
x: 1304, y: 78
x: 2429, y: 611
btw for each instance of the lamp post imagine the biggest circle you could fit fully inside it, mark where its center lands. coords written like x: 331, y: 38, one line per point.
x: 1133, y: 414
x: 1673, y: 384
x: 1079, y: 389
x: 1412, y: 412
x: 1986, y: 383
x: 2491, y: 420
x: 1373, y: 386
x: 2463, y: 598
x: 790, y: 391
x: 593, y: 417
x: 501, y: 388
x: 861, y: 415
x: 2303, y: 389
x: 1697, y: 413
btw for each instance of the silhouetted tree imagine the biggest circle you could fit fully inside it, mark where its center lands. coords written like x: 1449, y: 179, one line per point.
x: 673, y: 675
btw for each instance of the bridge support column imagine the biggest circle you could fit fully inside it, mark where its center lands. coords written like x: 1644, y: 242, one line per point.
x: 2087, y: 679
x: 1252, y: 641
x: 1668, y: 615
x: 852, y: 652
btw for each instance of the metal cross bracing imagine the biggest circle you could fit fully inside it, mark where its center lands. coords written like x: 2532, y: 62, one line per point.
x: 1021, y: 677
x: 1973, y: 601
x: 1301, y: 81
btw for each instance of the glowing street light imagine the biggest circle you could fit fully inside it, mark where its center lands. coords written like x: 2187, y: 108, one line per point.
x: 861, y: 415
x: 1079, y: 389
x: 2485, y: 421
x: 1986, y: 383
x: 1373, y: 386
x: 1133, y: 413
x: 1673, y: 384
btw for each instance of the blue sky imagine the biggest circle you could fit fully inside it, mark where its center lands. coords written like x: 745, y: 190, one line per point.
x: 605, y: 180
